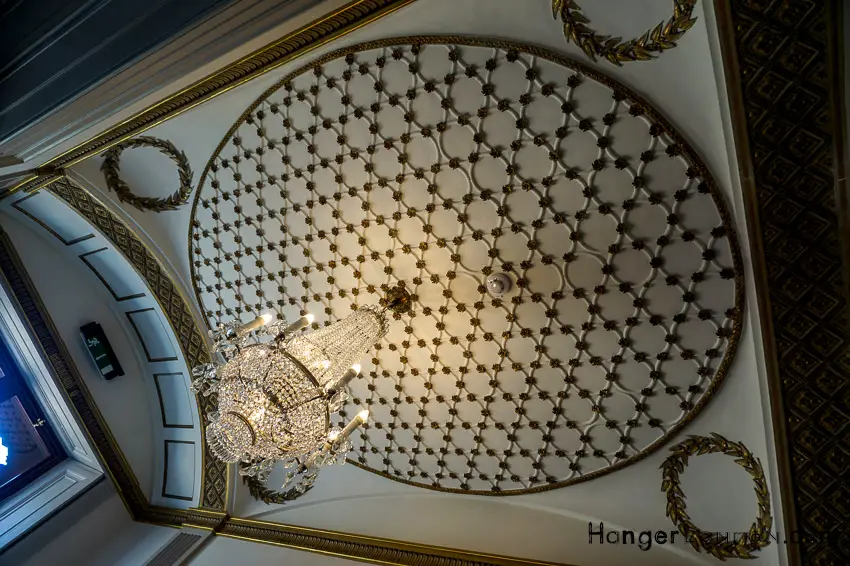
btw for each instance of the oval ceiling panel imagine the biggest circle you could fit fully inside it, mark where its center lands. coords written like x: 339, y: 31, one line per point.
x: 437, y: 163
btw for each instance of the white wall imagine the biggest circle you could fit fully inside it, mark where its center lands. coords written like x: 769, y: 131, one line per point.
x: 222, y: 551
x: 73, y: 297
x: 95, y: 530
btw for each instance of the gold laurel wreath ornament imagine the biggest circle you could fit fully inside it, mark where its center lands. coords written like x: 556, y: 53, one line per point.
x: 110, y: 169
x: 756, y: 538
x: 648, y: 46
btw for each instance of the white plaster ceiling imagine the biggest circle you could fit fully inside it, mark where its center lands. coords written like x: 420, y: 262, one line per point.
x: 685, y: 86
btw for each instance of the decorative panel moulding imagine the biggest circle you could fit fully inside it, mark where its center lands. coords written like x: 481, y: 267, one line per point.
x: 108, y: 267
x: 178, y: 479
x: 214, y: 480
x: 175, y: 405
x: 69, y: 229
x: 436, y: 161
x: 152, y: 335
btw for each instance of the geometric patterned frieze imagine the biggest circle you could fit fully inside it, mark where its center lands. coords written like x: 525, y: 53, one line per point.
x: 436, y: 162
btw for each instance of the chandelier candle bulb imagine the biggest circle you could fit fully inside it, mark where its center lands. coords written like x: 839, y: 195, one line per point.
x: 258, y: 322
x: 302, y: 322
x: 353, y: 372
x: 332, y: 439
x: 355, y: 423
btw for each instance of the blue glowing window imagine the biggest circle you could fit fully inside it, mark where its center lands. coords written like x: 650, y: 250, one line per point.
x: 28, y: 445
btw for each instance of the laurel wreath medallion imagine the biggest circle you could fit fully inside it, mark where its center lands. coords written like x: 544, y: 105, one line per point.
x: 653, y: 42
x: 758, y: 535
x: 269, y: 496
x: 110, y: 169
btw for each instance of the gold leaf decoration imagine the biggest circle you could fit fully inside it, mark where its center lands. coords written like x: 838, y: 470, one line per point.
x: 115, y: 183
x: 758, y: 535
x: 649, y: 45
x: 260, y: 492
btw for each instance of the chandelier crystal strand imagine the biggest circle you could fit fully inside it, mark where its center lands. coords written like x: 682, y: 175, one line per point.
x: 276, y: 397
x: 329, y: 352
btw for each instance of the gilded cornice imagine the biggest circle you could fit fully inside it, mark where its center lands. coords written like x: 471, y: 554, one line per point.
x: 311, y: 36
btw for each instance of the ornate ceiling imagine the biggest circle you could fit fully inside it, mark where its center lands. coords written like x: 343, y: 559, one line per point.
x: 436, y: 164
x: 439, y: 162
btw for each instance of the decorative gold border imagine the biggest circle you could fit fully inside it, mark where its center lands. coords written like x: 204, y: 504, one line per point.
x: 103, y: 280
x: 350, y: 17
x: 375, y: 550
x: 554, y: 57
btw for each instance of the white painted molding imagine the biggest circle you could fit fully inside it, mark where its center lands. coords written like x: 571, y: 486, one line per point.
x: 194, y: 48
x: 156, y: 349
x: 180, y: 283
x: 61, y: 484
x: 43, y: 497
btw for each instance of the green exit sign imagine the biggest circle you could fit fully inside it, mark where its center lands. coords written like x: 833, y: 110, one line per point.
x: 100, y: 351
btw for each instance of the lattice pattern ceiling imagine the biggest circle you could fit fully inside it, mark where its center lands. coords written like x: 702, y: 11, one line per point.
x: 436, y: 164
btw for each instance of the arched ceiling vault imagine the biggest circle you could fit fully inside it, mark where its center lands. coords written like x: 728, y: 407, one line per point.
x: 126, y: 276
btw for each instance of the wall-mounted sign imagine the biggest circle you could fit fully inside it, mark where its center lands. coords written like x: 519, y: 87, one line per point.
x: 100, y: 351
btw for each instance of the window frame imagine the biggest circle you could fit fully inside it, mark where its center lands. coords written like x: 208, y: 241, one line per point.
x: 81, y: 469
x: 13, y: 385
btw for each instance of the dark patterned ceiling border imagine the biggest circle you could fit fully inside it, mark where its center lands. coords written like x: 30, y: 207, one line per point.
x: 350, y: 17
x: 356, y: 547
x: 777, y: 58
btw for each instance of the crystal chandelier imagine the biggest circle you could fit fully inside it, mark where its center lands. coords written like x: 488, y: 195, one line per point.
x: 277, y: 388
